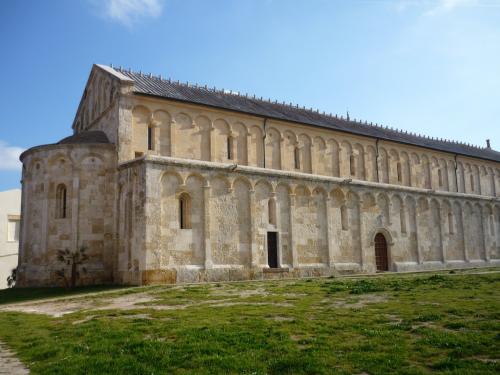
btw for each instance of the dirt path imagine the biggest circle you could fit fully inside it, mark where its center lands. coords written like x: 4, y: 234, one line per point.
x: 9, y: 364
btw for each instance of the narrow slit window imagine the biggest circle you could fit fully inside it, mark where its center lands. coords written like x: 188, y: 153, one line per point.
x: 398, y: 169
x: 185, y: 211
x: 61, y: 201
x: 440, y: 178
x: 352, y: 165
x: 471, y: 182
x: 343, y: 217
x: 150, y: 138
x: 229, y: 147
x: 296, y: 157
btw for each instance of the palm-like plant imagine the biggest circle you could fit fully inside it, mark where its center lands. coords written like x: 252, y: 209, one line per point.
x: 74, y: 261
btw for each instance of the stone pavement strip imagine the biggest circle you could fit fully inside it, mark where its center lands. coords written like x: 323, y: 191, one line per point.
x: 9, y: 364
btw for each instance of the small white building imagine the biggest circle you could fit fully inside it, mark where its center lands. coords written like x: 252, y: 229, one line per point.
x: 10, y: 220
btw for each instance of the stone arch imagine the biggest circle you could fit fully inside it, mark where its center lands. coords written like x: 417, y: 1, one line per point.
x: 201, y: 138
x: 221, y: 136
x: 435, y: 232
x: 141, y: 119
x: 273, y: 149
x: 383, y: 168
x: 399, y: 210
x: 359, y: 154
x: 405, y: 169
x: 371, y: 164
x: 426, y: 172
x: 334, y: 155
x: 283, y: 192
x: 241, y: 188
x: 461, y: 177
x: 368, y: 200
x: 383, y: 208
x: 174, y: 174
x: 338, y: 197
x: 383, y: 262
x: 305, y: 153
x: 256, y: 153
x: 491, y: 181
x: 290, y: 144
x: 411, y: 209
x: 395, y: 168
x: 321, y: 160
x: 347, y: 162
x: 443, y: 181
x: 240, y: 135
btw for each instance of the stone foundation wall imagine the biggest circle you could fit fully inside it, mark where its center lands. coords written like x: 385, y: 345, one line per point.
x: 325, y: 225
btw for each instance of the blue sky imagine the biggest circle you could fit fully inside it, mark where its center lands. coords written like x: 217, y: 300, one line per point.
x: 429, y: 66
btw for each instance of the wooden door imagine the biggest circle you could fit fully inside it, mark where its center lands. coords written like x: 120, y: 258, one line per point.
x: 381, y: 259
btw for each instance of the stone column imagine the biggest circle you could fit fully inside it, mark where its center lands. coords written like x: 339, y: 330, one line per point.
x: 212, y: 143
x: 419, y: 232
x: 282, y: 153
x: 364, y: 229
x: 292, y: 234
x: 465, y: 229
x: 45, y: 221
x: 329, y: 233
x: 441, y: 234
x: 75, y: 205
x: 206, y: 227
x: 172, y: 138
x: 253, y: 231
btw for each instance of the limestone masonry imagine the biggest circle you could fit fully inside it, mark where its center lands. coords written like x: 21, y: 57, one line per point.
x: 164, y: 182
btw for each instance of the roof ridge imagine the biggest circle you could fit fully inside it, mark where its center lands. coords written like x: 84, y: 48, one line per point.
x: 295, y: 106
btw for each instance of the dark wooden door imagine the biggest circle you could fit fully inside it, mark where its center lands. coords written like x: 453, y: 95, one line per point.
x: 272, y: 249
x: 381, y: 259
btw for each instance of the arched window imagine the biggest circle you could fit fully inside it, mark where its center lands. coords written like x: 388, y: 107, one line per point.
x: 352, y: 165
x: 296, y: 157
x: 229, y: 147
x: 451, y: 228
x: 343, y: 217
x: 271, y: 210
x: 185, y: 211
x: 150, y: 138
x: 398, y: 169
x: 61, y: 201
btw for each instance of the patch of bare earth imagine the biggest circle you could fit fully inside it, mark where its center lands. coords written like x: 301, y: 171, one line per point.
x: 361, y: 301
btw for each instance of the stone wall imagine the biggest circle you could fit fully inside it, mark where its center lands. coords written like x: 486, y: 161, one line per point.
x: 200, y: 133
x: 324, y: 224
x: 87, y: 173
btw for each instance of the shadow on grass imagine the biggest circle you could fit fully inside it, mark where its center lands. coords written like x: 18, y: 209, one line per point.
x: 13, y: 295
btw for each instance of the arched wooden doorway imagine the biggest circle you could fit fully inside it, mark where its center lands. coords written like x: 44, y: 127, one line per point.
x: 381, y: 258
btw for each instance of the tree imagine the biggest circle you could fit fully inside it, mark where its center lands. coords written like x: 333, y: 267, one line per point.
x: 11, y: 279
x: 74, y: 265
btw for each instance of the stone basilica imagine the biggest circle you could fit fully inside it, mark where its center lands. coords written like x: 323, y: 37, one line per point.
x: 165, y: 182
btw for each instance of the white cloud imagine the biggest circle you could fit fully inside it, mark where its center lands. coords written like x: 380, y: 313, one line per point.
x: 446, y: 6
x: 9, y: 156
x: 129, y: 12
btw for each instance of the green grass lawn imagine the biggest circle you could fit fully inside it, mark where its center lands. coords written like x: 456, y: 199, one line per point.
x: 409, y: 324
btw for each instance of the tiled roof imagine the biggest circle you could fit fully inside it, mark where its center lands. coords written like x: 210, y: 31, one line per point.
x: 93, y: 136
x: 148, y: 84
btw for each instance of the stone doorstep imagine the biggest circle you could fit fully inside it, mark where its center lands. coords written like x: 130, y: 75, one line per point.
x: 275, y: 270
